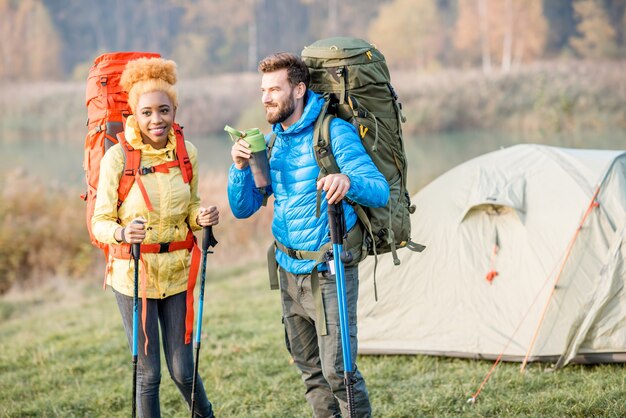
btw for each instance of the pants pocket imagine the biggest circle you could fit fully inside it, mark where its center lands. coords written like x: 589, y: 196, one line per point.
x: 287, y: 344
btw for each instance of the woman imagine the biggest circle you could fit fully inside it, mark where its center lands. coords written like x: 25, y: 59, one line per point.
x: 163, y: 213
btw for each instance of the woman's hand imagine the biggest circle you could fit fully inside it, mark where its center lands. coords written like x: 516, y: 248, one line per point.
x: 133, y: 233
x: 208, y: 216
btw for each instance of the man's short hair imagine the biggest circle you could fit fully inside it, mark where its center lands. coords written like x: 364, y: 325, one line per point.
x: 297, y: 71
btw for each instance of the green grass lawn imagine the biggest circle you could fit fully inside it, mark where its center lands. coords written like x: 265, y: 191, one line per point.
x: 63, y: 354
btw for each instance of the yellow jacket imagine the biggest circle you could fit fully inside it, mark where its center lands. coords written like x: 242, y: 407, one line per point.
x: 176, y: 205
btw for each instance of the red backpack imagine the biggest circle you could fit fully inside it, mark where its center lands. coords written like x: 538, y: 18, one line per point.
x: 107, y: 110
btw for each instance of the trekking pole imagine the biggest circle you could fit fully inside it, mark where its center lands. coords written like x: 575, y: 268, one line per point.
x: 208, y: 240
x: 337, y: 226
x: 135, y: 250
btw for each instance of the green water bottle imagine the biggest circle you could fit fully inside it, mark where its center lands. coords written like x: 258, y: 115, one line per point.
x: 258, y: 161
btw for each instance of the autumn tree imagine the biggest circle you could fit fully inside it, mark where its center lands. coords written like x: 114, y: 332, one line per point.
x: 30, y: 45
x: 213, y: 36
x: 624, y: 34
x: 472, y: 32
x: 509, y: 31
x: 328, y: 18
x: 525, y: 31
x: 225, y: 35
x: 408, y: 33
x: 204, y: 36
x: 561, y: 26
x: 596, y: 35
x: 616, y: 12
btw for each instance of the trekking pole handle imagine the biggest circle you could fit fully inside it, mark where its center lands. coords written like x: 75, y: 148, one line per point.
x: 337, y: 226
x: 136, y: 248
x: 208, y: 239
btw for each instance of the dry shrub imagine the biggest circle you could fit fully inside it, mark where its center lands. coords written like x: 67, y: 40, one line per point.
x: 42, y: 232
x: 547, y: 98
x: 48, y: 111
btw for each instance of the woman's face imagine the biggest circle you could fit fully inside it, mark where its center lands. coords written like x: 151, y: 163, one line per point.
x: 155, y: 115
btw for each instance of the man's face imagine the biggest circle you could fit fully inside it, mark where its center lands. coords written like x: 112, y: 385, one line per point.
x: 278, y: 96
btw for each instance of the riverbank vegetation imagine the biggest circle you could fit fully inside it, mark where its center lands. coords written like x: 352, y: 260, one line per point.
x: 546, y: 98
x: 43, y: 233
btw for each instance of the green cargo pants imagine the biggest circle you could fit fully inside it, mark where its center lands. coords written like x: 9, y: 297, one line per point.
x: 319, y: 357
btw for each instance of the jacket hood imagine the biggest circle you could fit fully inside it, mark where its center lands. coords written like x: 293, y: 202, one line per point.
x: 311, y: 111
x: 133, y: 137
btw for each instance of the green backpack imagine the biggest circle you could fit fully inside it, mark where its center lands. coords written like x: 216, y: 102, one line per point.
x: 353, y: 77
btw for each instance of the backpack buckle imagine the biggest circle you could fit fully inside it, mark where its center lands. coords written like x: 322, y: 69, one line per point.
x: 292, y: 253
x: 164, y: 247
x: 146, y: 170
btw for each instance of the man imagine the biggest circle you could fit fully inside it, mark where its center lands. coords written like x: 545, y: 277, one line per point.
x: 308, y: 291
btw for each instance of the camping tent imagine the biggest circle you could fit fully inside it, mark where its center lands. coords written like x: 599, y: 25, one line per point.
x: 507, y: 270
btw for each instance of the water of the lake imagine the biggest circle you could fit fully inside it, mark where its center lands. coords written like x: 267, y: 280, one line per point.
x: 60, y: 163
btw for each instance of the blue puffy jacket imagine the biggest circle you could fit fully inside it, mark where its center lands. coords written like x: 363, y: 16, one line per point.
x: 294, y: 173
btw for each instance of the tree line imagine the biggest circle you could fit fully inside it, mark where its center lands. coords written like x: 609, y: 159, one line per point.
x: 52, y: 39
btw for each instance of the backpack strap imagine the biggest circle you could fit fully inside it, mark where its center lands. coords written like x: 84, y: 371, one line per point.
x: 321, y: 143
x: 133, y: 171
x: 353, y: 241
x: 132, y: 162
x: 270, y: 145
x: 182, y: 155
x: 317, y: 256
x: 327, y: 163
x: 322, y: 149
x: 398, y: 106
x: 342, y: 75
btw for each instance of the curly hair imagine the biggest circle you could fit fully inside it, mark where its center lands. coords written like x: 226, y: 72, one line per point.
x: 297, y: 71
x: 145, y: 75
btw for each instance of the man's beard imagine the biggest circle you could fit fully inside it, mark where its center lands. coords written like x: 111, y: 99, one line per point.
x: 283, y: 111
